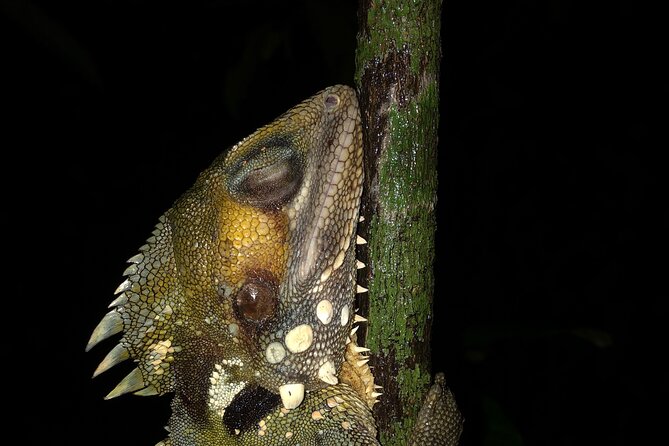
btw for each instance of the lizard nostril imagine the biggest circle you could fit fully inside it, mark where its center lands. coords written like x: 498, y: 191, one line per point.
x: 331, y: 102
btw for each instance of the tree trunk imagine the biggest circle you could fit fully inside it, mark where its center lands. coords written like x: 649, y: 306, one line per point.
x: 397, y: 76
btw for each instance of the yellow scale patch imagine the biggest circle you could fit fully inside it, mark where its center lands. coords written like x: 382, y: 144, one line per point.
x: 251, y: 239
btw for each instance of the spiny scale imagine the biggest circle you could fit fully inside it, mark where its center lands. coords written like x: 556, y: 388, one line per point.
x: 121, y: 300
x: 362, y: 362
x: 359, y: 318
x: 130, y: 383
x: 147, y: 391
x: 123, y: 286
x: 131, y: 270
x: 116, y: 355
x: 108, y: 326
x: 137, y: 258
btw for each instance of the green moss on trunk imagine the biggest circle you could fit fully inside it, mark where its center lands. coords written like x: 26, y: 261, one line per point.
x: 397, y: 76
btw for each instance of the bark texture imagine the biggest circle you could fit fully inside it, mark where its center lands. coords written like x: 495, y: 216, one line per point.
x: 397, y: 76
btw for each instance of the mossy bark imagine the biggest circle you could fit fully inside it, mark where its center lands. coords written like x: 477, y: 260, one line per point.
x: 397, y: 75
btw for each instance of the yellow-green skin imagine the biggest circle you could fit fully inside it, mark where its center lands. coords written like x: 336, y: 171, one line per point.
x: 241, y: 302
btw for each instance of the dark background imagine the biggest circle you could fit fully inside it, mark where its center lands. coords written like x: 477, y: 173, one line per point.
x: 551, y: 258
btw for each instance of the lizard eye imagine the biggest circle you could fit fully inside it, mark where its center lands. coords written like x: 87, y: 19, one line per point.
x: 269, y: 177
x: 271, y: 184
x: 256, y: 301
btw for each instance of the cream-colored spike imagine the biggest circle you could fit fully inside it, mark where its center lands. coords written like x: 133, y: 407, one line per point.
x: 291, y: 395
x: 108, y: 326
x: 327, y: 373
x: 359, y: 349
x: 361, y: 219
x: 359, y: 264
x: 123, y: 287
x: 130, y: 383
x: 121, y: 300
x: 376, y: 394
x: 360, y: 289
x: 358, y: 318
x: 116, y: 355
x: 137, y: 258
x: 147, y: 391
x: 360, y: 241
x: 362, y: 362
x: 131, y: 270
x: 353, y: 330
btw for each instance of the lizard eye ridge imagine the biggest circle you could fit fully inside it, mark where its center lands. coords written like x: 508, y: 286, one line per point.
x: 257, y: 300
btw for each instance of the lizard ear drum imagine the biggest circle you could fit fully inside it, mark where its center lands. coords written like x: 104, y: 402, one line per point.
x: 257, y: 300
x: 268, y: 177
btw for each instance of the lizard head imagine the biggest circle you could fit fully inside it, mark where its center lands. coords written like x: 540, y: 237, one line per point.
x: 246, y: 287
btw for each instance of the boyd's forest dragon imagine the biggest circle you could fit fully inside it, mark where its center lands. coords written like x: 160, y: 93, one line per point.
x: 241, y: 303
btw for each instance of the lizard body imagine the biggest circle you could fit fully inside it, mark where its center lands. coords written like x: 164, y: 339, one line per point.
x: 242, y: 301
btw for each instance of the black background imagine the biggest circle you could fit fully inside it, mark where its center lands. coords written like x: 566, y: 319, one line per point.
x: 551, y: 259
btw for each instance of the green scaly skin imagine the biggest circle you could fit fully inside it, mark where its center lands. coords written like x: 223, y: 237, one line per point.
x: 241, y: 302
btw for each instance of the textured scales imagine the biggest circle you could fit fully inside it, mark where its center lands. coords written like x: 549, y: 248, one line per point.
x: 241, y: 301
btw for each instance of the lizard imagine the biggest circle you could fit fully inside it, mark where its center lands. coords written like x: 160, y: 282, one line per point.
x: 241, y: 302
